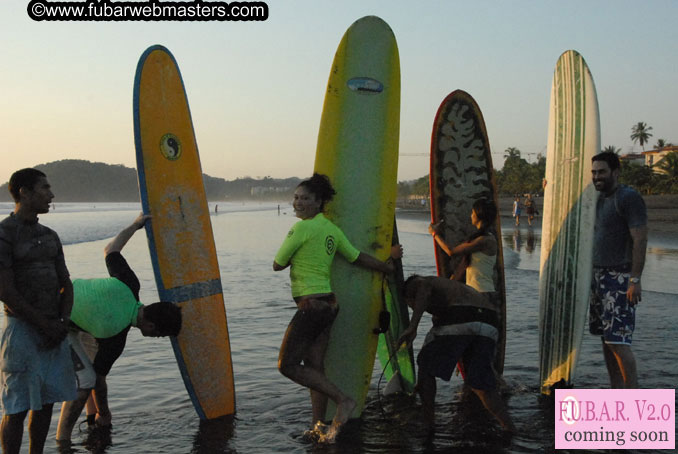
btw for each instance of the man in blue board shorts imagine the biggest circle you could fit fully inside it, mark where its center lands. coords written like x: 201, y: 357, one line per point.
x: 35, y: 363
x: 466, y: 328
x: 620, y: 240
x: 103, y: 312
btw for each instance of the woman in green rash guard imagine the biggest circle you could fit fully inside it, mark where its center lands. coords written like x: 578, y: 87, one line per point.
x: 309, y: 248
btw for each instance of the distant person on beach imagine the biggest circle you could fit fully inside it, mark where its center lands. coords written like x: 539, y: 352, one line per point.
x: 103, y: 311
x: 479, y: 251
x: 620, y: 240
x: 516, y: 210
x: 36, y: 368
x: 530, y: 208
x: 310, y: 248
x: 465, y: 328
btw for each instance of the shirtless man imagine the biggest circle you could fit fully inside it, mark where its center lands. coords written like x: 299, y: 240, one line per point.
x: 465, y: 327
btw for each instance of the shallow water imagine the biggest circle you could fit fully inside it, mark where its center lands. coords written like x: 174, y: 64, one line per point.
x: 153, y: 414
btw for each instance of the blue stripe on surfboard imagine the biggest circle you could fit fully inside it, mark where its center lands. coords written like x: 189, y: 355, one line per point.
x: 192, y: 291
x: 185, y: 377
x: 143, y: 192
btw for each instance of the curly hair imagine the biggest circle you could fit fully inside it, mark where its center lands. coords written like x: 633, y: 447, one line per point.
x: 319, y: 185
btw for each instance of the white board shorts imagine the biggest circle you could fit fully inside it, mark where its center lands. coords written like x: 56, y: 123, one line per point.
x: 83, y: 350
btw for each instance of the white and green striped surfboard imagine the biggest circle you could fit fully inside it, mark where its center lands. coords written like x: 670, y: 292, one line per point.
x: 569, y: 216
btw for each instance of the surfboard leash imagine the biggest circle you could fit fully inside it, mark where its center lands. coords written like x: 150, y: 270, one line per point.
x: 383, y: 372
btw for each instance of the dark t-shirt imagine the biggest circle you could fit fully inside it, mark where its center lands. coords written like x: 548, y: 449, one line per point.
x: 624, y: 209
x: 34, y: 254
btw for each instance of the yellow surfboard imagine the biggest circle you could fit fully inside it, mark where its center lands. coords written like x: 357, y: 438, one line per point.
x: 180, y: 233
x: 358, y: 151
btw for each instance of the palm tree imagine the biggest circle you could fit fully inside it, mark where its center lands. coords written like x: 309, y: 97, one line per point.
x: 641, y: 133
x: 661, y: 143
x: 511, y: 152
x: 669, y: 164
x: 611, y: 149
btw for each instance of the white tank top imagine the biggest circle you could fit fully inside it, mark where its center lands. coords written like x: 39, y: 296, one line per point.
x: 480, y: 271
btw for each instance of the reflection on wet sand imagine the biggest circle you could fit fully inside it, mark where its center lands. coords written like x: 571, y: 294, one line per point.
x: 515, y: 239
x: 661, y: 259
x: 530, y: 241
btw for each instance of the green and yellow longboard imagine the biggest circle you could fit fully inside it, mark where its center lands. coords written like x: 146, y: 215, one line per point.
x: 358, y: 150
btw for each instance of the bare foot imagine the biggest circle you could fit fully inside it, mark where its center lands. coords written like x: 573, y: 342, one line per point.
x: 316, y: 432
x: 344, y: 410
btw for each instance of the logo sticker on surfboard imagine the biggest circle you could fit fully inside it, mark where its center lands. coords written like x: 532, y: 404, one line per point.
x: 170, y: 147
x: 365, y: 85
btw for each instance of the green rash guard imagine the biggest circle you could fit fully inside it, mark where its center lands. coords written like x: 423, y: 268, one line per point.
x: 103, y: 307
x: 310, y: 247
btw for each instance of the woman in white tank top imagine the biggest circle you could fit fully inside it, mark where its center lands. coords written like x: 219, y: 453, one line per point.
x: 481, y: 247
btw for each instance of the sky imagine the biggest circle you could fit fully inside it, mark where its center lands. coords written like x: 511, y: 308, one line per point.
x: 256, y: 89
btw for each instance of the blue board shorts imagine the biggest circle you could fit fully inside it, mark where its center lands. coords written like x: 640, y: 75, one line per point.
x: 474, y: 346
x: 31, y: 377
x: 610, y: 314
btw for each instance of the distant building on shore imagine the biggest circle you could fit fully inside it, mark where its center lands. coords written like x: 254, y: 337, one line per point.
x: 261, y: 190
x: 633, y: 158
x: 653, y: 157
x: 649, y: 158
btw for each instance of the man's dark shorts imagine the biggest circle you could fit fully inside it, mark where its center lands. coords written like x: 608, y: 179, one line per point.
x: 466, y: 333
x: 440, y: 356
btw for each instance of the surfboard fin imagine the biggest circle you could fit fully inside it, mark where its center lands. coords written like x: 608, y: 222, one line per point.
x: 394, y: 385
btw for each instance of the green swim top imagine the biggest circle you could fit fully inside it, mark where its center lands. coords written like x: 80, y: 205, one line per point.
x: 103, y: 307
x: 310, y: 247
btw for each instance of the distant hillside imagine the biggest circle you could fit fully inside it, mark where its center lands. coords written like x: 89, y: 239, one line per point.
x: 75, y: 180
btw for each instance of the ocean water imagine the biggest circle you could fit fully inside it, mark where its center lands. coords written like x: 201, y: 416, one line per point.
x: 153, y: 414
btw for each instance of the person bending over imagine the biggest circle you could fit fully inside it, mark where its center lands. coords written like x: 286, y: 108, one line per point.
x: 465, y: 327
x: 103, y: 312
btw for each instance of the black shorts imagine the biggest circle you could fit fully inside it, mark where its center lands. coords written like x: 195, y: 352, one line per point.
x: 314, y: 316
x: 440, y: 356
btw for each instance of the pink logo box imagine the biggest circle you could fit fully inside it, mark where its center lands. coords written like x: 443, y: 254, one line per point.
x: 615, y: 419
